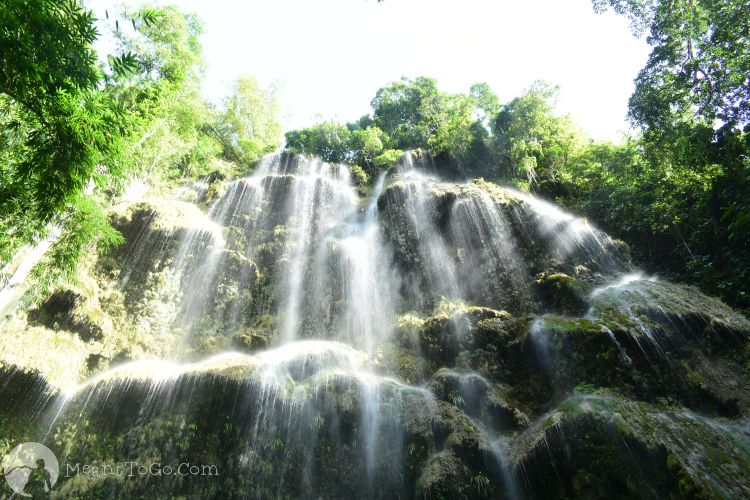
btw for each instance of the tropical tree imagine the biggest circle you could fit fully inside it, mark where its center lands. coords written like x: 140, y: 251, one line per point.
x: 530, y: 140
x: 416, y: 114
x: 699, y: 64
x: 329, y: 140
x: 692, y: 100
x: 60, y: 131
x: 249, y: 126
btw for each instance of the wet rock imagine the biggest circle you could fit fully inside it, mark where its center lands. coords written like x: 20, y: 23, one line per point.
x: 257, y: 336
x: 445, y: 236
x: 679, y: 308
x: 406, y: 363
x: 154, y: 214
x: 445, y: 335
x: 25, y: 394
x: 478, y: 398
x: 592, y: 446
x: 270, y: 425
x: 445, y: 476
x: 561, y: 293
x: 571, y: 351
x: 235, y: 284
x: 683, y: 334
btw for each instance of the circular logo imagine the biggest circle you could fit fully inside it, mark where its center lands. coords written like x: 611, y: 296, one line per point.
x: 31, y: 469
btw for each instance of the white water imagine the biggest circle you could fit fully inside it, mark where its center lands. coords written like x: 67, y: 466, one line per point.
x: 339, y: 286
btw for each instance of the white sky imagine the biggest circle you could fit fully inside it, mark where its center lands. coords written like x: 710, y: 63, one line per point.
x: 332, y: 55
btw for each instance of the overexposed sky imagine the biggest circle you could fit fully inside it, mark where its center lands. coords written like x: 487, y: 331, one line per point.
x: 332, y: 55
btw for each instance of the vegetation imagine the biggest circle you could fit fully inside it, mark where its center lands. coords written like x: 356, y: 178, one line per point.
x: 72, y: 130
x: 407, y: 114
x: 495, y: 365
x: 679, y: 192
x: 676, y: 191
x: 60, y: 130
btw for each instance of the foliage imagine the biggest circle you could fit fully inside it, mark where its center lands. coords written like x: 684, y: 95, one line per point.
x: 474, y: 134
x: 408, y: 114
x: 165, y: 94
x: 329, y: 140
x: 71, y: 132
x: 486, y: 102
x: 84, y: 222
x: 416, y: 114
x: 179, y: 134
x: 693, y: 101
x: 699, y: 64
x: 387, y: 158
x: 60, y: 130
x: 249, y: 125
x: 530, y: 140
x: 682, y: 209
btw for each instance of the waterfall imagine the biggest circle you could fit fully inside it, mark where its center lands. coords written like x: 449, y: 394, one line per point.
x: 319, y: 338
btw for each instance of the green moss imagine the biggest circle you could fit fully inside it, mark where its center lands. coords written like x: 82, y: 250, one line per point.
x: 585, y: 388
x: 256, y: 336
x: 359, y: 176
x: 499, y: 194
x: 676, y: 453
x: 562, y: 293
x: 571, y: 325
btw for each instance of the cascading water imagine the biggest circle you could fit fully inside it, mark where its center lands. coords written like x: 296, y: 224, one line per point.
x: 315, y: 343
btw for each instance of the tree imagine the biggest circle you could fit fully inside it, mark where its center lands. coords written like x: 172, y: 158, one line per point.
x: 329, y: 140
x: 530, y: 140
x: 416, y: 114
x: 71, y: 131
x: 692, y: 101
x: 169, y: 110
x: 486, y: 102
x: 249, y: 125
x: 370, y: 142
x: 60, y: 131
x: 699, y: 65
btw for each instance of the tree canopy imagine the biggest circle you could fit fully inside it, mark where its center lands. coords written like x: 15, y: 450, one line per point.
x: 699, y: 64
x: 59, y: 129
x: 72, y: 130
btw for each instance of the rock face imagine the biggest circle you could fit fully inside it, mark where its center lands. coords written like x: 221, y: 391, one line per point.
x: 431, y: 340
x: 593, y: 445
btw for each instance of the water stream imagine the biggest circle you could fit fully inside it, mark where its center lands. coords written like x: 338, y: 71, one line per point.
x: 311, y: 280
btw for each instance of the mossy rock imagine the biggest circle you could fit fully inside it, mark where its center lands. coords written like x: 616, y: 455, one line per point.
x: 445, y: 476
x: 406, y: 363
x: 677, y: 307
x: 562, y: 294
x: 416, y: 217
x: 167, y: 216
x: 172, y: 422
x: 446, y: 334
x: 698, y: 345
x: 259, y: 335
x: 592, y: 446
x: 478, y: 398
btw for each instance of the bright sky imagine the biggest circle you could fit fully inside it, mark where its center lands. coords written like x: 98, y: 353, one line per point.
x: 332, y: 55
